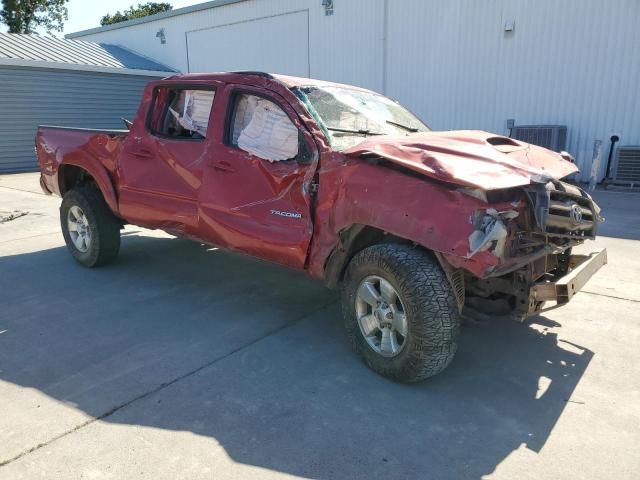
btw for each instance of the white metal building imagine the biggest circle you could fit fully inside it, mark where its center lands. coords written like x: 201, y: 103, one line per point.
x: 458, y: 64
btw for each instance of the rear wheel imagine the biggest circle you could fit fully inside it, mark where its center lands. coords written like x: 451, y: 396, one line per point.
x: 400, y: 311
x: 90, y: 230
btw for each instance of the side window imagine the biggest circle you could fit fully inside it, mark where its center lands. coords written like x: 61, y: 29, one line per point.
x: 260, y: 127
x: 181, y: 113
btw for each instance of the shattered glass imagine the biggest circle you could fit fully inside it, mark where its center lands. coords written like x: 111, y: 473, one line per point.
x: 350, y: 115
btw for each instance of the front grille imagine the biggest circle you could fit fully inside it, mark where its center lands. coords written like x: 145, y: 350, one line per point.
x: 563, y: 210
x: 570, y: 215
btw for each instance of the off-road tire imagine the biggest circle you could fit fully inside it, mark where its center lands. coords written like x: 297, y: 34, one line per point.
x: 430, y: 306
x: 103, y: 225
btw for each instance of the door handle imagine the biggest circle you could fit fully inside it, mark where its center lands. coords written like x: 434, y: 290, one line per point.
x: 143, y: 153
x: 223, y: 166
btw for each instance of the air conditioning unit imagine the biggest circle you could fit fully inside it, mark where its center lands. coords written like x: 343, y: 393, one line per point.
x: 627, y: 165
x: 553, y: 137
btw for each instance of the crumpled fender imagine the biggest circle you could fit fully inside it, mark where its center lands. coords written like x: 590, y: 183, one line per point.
x: 437, y: 217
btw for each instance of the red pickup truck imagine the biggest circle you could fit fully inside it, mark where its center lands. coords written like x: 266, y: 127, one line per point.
x: 343, y: 183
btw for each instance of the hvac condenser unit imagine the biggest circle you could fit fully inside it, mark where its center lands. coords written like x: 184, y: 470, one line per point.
x: 553, y: 137
x: 628, y: 165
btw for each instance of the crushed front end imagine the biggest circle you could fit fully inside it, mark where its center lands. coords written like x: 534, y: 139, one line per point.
x: 532, y: 244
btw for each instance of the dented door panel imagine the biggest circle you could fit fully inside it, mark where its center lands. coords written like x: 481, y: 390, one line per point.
x: 252, y: 205
x: 160, y: 177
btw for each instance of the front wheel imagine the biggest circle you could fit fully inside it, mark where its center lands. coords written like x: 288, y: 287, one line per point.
x: 400, y: 312
x: 90, y: 230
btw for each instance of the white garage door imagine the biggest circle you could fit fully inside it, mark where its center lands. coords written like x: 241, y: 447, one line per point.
x: 278, y: 44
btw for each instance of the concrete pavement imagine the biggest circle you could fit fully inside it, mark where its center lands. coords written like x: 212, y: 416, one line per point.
x: 182, y: 361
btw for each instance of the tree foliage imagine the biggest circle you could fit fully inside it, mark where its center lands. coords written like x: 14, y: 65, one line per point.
x: 25, y: 16
x: 142, y: 10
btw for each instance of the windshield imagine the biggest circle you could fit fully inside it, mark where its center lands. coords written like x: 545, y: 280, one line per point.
x: 348, y: 116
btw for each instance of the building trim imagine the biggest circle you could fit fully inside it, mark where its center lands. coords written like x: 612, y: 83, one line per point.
x: 18, y: 62
x: 152, y: 18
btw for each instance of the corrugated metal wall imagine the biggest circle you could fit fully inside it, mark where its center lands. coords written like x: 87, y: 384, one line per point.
x: 208, y: 48
x: 346, y: 46
x: 572, y: 62
x: 30, y: 97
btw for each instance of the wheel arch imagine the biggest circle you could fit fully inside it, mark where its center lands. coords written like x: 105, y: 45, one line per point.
x: 71, y: 175
x: 357, y: 237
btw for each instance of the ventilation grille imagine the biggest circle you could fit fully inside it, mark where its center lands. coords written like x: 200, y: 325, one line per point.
x: 628, y: 165
x: 553, y: 137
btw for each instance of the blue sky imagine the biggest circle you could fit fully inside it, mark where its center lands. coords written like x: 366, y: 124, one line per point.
x: 84, y: 14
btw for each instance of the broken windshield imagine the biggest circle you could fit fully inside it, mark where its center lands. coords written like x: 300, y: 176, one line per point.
x: 348, y: 115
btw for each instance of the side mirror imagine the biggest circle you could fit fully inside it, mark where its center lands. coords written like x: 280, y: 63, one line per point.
x: 304, y: 156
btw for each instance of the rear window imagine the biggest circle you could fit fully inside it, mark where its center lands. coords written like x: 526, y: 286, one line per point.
x: 181, y: 113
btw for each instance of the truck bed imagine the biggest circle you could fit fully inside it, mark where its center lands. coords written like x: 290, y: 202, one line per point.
x: 86, y: 147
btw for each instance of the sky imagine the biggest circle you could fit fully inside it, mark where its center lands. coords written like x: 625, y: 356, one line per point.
x: 84, y: 14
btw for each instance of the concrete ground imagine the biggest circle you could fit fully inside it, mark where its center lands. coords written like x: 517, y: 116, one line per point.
x: 182, y: 361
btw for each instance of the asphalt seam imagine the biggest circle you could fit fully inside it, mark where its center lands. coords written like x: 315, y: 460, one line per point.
x: 23, y: 190
x: 162, y: 386
x: 31, y: 236
x: 611, y: 296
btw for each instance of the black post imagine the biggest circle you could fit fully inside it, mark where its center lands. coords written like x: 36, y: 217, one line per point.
x: 614, y: 139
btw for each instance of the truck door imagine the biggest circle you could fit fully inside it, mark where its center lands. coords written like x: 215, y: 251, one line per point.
x: 163, y: 159
x: 256, y: 190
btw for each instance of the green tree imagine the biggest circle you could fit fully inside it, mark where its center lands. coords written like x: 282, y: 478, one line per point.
x: 142, y: 10
x: 25, y: 16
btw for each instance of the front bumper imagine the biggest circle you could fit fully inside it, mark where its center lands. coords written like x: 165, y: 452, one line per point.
x: 581, y: 269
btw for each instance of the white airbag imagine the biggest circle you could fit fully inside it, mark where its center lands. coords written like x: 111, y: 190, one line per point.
x: 269, y: 134
x: 197, y: 108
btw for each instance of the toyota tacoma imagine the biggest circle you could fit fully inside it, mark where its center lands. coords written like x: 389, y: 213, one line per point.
x: 343, y: 183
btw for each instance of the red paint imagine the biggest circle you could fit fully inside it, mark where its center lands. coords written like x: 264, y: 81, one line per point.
x: 218, y: 194
x: 468, y: 158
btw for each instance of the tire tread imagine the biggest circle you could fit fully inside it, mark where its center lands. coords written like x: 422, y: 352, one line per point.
x: 426, y: 294
x: 106, y: 244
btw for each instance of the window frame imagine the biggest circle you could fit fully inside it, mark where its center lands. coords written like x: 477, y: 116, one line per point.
x: 177, y: 87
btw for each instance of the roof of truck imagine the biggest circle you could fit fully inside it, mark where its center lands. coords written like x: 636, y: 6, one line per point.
x: 287, y: 80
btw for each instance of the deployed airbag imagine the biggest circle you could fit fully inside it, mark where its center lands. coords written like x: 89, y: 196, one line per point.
x: 196, y: 111
x: 269, y: 134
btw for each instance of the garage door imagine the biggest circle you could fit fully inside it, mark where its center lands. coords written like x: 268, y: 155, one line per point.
x: 277, y: 44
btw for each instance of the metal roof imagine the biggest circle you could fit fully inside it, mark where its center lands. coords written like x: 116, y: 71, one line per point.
x: 47, y: 50
x: 157, y: 16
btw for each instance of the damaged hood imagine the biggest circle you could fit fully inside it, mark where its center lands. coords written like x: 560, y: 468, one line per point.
x: 469, y: 158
